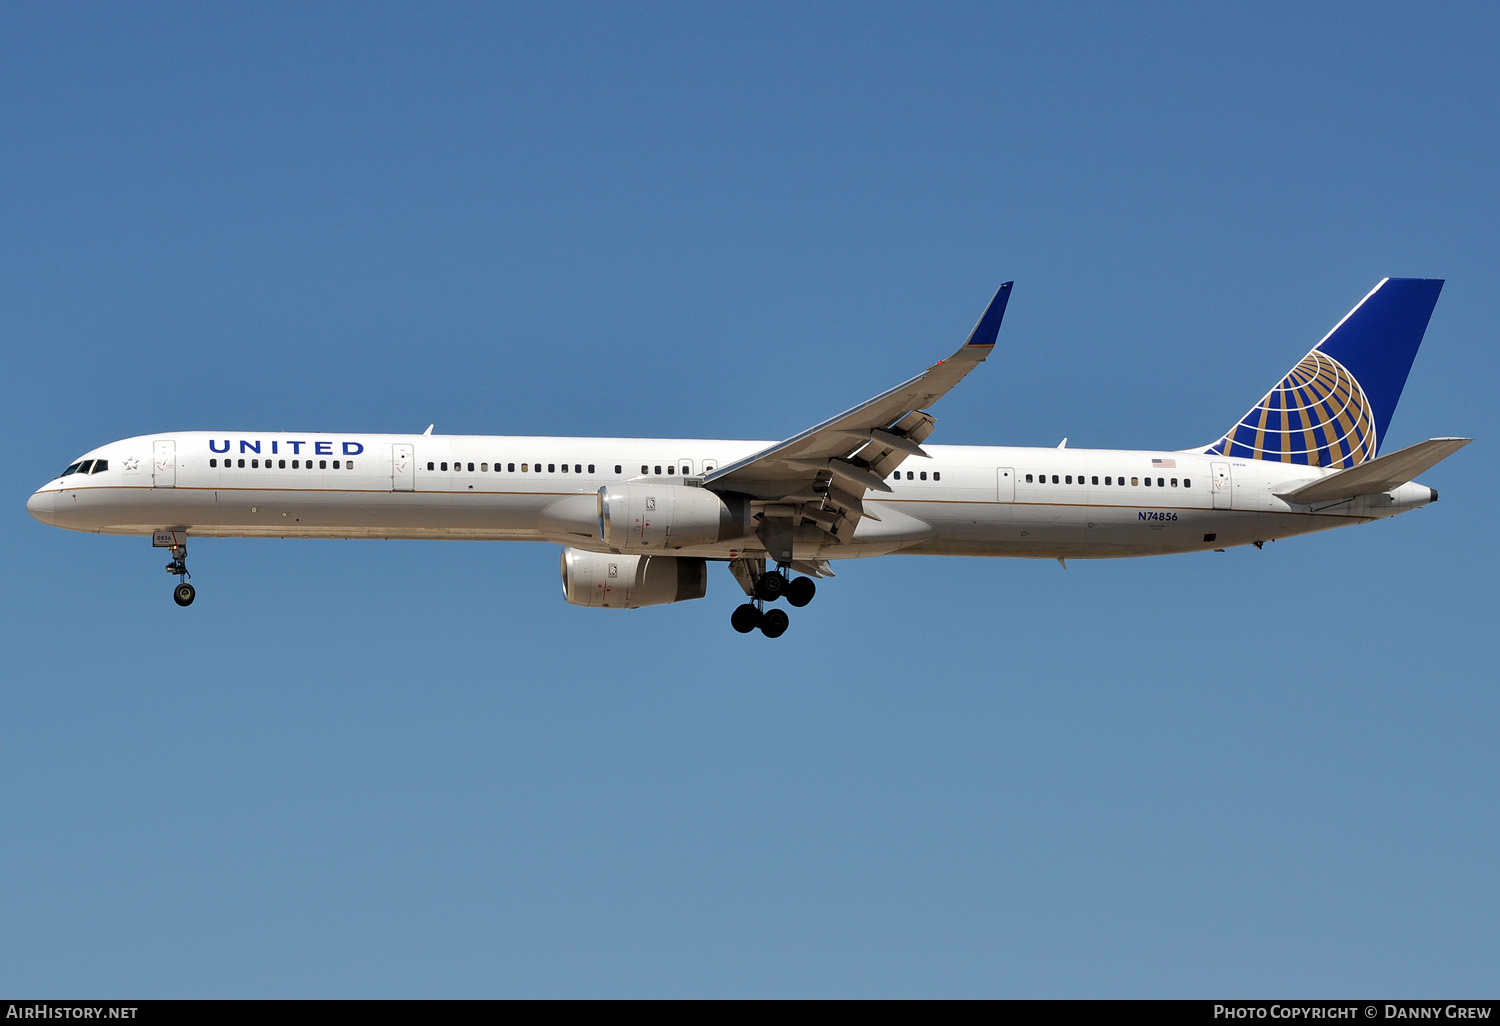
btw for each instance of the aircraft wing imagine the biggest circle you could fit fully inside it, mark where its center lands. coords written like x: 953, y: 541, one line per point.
x: 822, y: 474
x: 1378, y: 475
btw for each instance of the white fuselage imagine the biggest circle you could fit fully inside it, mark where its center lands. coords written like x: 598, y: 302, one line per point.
x: 964, y: 500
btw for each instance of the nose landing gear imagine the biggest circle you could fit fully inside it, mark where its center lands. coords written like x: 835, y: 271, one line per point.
x: 175, y: 542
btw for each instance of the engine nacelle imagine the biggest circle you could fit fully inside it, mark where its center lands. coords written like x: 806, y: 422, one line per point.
x: 655, y: 517
x: 630, y: 582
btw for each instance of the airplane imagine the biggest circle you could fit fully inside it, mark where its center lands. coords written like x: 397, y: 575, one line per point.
x: 639, y: 519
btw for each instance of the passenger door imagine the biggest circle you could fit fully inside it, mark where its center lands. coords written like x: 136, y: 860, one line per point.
x: 403, y: 469
x: 164, y: 463
x: 1221, y: 486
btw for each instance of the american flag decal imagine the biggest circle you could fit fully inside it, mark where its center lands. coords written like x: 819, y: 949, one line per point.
x: 1164, y: 464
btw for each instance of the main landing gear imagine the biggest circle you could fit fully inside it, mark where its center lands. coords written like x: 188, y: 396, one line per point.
x: 769, y: 587
x: 184, y: 593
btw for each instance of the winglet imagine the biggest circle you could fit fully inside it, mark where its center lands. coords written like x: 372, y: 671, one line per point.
x: 988, y: 329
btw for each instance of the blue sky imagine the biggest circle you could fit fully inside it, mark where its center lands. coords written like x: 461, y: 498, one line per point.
x: 410, y: 769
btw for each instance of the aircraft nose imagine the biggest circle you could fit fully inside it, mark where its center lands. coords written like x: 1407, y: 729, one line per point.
x: 40, y: 506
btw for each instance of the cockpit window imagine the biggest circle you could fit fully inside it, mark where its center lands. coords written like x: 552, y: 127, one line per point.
x: 100, y: 465
x: 86, y: 467
x: 72, y: 469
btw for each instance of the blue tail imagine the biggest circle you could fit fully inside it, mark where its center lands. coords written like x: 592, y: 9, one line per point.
x: 1332, y: 409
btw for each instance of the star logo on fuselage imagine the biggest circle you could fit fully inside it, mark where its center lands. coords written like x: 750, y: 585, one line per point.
x: 131, y: 463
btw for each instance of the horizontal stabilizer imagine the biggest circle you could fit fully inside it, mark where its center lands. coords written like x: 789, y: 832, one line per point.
x: 1378, y: 475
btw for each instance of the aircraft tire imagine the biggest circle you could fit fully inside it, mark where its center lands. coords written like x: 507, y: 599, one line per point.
x: 800, y: 590
x: 770, y: 586
x: 745, y: 618
x: 774, y: 623
x: 184, y: 594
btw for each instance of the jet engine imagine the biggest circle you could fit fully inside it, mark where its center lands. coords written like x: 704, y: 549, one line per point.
x: 655, y: 517
x: 630, y: 582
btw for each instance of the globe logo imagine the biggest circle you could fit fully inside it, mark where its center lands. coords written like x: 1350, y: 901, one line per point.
x: 1317, y: 415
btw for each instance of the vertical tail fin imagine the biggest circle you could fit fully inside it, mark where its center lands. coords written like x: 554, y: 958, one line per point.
x: 1332, y: 409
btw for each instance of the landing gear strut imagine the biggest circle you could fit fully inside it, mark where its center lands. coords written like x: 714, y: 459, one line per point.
x: 184, y: 593
x: 770, y: 586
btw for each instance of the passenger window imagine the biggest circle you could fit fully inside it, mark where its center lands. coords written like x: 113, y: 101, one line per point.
x: 281, y: 464
x: 1095, y: 480
x: 1108, y: 481
x: 1174, y: 482
x: 658, y: 469
x: 255, y: 464
x: 937, y: 475
x: 578, y: 468
x: 1187, y: 482
x: 297, y: 465
x: 591, y: 468
x: 242, y: 463
x: 1028, y: 479
x: 348, y: 464
x: 1069, y: 479
x: 1134, y: 482
x: 322, y: 464
x: 213, y: 463
x: 551, y: 468
x: 1054, y: 479
x: 671, y: 471
x: 445, y: 465
x: 335, y: 464
x: 429, y: 465
x: 510, y: 468
x: 910, y: 476
x: 617, y: 468
x: 1161, y: 482
x: 1148, y: 482
x: 923, y: 475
